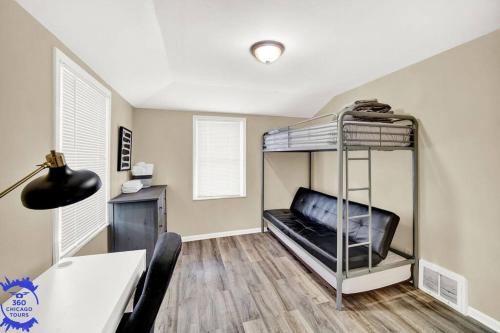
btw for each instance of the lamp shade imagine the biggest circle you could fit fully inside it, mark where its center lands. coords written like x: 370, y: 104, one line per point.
x: 61, y: 186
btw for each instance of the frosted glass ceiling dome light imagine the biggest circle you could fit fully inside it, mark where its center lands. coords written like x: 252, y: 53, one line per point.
x: 267, y: 51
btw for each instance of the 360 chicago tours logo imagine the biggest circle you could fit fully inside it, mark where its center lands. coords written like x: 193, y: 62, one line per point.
x: 18, y: 311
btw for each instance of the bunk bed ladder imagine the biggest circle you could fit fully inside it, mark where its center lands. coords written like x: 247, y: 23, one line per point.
x: 369, y: 215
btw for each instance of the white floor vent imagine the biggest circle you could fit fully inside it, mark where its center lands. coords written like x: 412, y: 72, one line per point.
x: 448, y: 287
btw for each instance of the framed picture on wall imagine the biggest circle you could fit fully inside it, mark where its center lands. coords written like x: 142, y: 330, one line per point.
x: 124, y: 149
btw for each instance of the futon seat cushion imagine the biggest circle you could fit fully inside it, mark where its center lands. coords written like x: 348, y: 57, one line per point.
x: 318, y: 240
x: 311, y: 221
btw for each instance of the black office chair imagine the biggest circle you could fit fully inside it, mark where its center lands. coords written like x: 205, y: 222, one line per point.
x: 152, y: 286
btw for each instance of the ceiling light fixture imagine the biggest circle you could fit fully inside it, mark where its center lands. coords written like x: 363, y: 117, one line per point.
x: 267, y: 51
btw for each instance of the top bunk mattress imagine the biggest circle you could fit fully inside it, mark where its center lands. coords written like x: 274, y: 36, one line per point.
x: 356, y: 133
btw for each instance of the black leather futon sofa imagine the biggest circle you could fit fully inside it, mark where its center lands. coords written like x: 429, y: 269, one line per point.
x: 311, y: 222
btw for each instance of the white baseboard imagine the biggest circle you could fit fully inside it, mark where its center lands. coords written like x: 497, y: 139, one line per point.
x: 484, y: 319
x: 220, y: 234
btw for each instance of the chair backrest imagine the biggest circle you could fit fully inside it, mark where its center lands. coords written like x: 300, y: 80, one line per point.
x: 153, y: 285
x: 322, y: 208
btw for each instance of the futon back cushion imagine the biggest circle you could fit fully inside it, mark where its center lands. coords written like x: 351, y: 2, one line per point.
x: 321, y: 208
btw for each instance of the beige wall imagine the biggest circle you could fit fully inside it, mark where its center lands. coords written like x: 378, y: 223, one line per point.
x: 456, y: 97
x: 26, y: 133
x: 165, y: 139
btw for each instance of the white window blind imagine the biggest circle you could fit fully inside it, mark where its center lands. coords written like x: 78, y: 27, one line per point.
x: 219, y: 161
x: 82, y: 116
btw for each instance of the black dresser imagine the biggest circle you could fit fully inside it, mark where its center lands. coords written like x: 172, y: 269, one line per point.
x: 137, y: 219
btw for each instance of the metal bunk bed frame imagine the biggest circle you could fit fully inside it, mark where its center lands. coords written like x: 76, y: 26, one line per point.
x: 340, y: 146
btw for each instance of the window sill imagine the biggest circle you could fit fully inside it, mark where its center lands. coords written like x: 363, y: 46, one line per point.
x: 223, y: 197
x: 84, y: 242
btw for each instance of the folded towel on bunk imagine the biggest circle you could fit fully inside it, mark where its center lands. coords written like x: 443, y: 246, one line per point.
x: 368, y: 105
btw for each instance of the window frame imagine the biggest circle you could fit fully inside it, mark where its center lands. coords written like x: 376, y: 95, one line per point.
x: 59, y: 58
x: 243, y: 157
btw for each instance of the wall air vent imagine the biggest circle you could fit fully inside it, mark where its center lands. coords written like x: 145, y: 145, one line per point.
x: 431, y: 280
x: 448, y: 287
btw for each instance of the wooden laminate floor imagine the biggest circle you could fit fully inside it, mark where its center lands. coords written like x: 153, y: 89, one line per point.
x: 251, y: 283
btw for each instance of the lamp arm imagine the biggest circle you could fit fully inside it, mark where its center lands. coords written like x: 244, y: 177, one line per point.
x: 40, y: 168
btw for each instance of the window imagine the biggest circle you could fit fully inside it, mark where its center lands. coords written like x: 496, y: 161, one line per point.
x: 219, y: 157
x: 82, y: 107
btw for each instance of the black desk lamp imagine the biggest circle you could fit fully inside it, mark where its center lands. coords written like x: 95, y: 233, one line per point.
x: 60, y: 187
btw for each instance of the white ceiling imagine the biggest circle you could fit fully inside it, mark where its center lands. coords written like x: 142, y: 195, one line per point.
x: 194, y: 54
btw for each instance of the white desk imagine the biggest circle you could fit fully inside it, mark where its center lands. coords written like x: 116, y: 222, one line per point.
x: 87, y: 294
